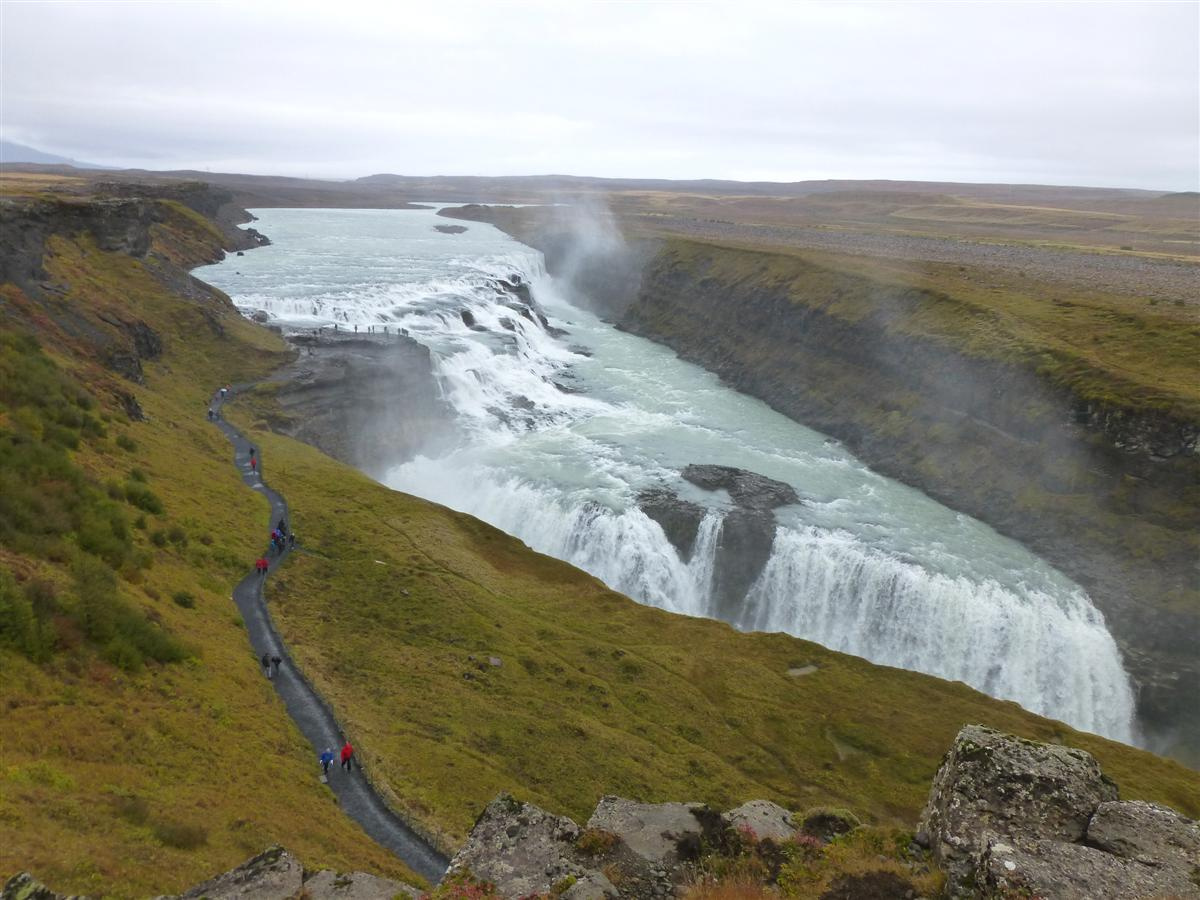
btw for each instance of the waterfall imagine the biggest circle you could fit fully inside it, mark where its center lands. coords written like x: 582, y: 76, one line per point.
x: 563, y: 431
x: 1051, y: 654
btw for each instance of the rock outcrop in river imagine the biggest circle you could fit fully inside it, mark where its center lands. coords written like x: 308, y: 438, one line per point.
x: 747, y: 530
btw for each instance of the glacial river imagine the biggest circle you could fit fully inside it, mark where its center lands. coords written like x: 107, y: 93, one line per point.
x: 561, y: 433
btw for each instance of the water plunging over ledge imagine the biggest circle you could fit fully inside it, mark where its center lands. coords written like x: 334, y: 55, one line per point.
x: 562, y: 431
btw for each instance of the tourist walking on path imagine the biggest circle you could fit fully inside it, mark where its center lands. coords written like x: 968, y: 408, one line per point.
x: 347, y: 756
x: 326, y: 761
x: 253, y: 463
x: 275, y: 661
x: 266, y: 664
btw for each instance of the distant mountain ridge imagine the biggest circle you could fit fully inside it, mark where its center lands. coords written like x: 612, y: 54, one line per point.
x: 555, y: 182
x: 11, y: 152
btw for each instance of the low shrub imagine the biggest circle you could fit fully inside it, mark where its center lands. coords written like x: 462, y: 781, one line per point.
x: 181, y: 835
x: 184, y: 599
x: 127, y: 637
x: 143, y: 498
x: 133, y: 809
x: 595, y: 842
x: 25, y: 623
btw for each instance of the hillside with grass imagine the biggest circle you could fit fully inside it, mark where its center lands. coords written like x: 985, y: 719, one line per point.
x: 142, y: 749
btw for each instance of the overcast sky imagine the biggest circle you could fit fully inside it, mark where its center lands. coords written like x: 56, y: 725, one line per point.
x: 1064, y: 93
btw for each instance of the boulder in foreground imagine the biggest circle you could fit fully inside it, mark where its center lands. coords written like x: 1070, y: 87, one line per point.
x: 1008, y: 816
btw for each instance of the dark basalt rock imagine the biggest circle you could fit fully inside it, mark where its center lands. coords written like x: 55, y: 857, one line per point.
x: 450, y: 229
x: 679, y: 519
x: 747, y: 536
x: 746, y: 489
x: 518, y: 288
x: 368, y: 402
x: 747, y: 530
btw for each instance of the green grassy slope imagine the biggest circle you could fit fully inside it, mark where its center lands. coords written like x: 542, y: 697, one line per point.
x: 120, y: 775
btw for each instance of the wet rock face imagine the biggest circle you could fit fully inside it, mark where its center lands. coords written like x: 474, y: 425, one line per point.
x: 679, y: 519
x: 1011, y: 815
x: 747, y: 489
x: 370, y: 403
x: 747, y: 531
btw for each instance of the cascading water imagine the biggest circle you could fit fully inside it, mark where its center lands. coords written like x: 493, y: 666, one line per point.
x: 562, y: 432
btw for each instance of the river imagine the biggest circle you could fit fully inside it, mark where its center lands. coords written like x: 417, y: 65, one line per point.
x: 560, y: 432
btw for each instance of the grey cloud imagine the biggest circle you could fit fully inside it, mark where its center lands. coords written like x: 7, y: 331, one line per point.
x: 1096, y: 93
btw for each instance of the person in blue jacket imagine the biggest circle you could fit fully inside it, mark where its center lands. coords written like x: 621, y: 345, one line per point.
x: 326, y: 761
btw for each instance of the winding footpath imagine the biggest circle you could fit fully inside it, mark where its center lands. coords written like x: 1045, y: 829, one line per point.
x: 355, y: 794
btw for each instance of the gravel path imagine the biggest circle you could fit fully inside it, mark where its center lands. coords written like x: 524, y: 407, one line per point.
x: 311, y: 713
x: 1162, y: 279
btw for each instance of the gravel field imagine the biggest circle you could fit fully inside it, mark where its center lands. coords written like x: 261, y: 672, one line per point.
x: 1160, y: 279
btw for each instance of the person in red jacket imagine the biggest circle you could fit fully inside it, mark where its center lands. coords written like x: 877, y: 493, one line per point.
x: 347, y: 756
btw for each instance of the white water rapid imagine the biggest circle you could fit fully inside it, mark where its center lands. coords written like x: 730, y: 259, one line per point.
x: 561, y: 432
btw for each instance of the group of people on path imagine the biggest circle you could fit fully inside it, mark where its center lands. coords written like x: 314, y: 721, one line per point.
x: 346, y: 757
x: 270, y: 664
x: 214, y: 409
x: 281, y: 538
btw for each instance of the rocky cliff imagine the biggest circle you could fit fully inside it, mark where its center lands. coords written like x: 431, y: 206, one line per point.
x: 369, y: 402
x: 102, y: 239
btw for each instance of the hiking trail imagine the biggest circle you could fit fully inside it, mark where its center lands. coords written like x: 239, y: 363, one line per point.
x: 314, y: 717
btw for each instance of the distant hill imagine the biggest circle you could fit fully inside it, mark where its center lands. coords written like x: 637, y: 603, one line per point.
x: 443, y: 186
x: 19, y: 153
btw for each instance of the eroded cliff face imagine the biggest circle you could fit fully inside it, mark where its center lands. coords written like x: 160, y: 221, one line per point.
x: 370, y: 403
x: 52, y: 245
x: 1106, y: 493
